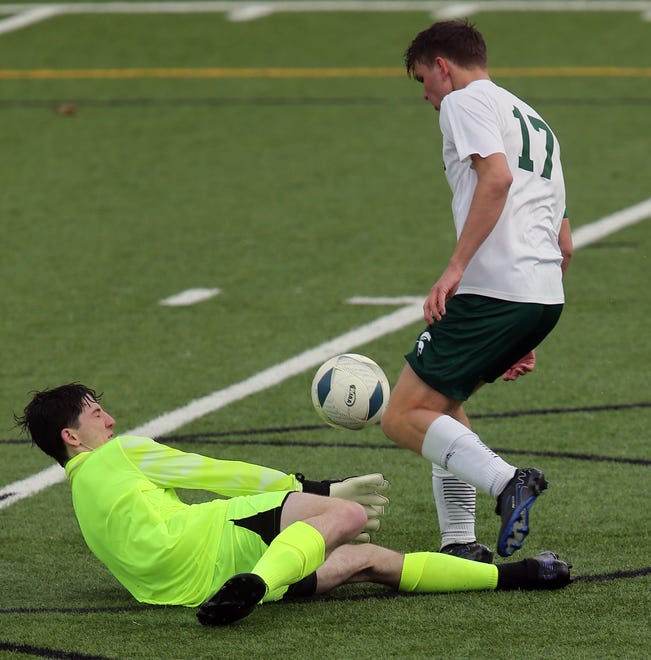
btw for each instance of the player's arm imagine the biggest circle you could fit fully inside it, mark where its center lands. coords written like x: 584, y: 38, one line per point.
x: 565, y: 243
x: 527, y: 363
x: 494, y: 179
x: 172, y: 468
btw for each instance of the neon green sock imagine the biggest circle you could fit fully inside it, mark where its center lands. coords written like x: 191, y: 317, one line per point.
x: 429, y: 572
x: 295, y: 553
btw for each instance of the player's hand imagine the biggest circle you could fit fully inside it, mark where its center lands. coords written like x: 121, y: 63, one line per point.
x: 521, y: 367
x: 442, y: 290
x: 366, y: 489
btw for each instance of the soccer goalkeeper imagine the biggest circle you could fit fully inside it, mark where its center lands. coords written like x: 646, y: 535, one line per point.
x: 276, y: 536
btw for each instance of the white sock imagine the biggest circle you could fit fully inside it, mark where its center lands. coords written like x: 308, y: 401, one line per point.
x: 456, y: 448
x: 455, y: 507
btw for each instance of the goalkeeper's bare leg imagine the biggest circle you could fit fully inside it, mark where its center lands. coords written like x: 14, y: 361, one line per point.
x: 299, y: 552
x: 431, y: 572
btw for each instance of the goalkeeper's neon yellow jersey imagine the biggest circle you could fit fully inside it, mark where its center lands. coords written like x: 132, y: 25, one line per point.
x: 160, y: 548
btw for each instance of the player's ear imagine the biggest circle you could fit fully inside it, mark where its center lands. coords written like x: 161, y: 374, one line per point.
x: 69, y: 438
x: 443, y: 65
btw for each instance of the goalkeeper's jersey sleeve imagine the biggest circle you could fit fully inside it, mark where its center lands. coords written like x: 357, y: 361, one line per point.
x: 160, y: 548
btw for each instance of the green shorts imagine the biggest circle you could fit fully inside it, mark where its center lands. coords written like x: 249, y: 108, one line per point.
x: 477, y: 340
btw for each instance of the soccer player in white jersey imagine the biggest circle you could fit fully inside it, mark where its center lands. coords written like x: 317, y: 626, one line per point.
x: 500, y: 294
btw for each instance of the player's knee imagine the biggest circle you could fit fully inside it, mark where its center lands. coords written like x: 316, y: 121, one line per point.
x: 396, y: 426
x: 385, y: 423
x: 352, y: 517
x: 390, y: 424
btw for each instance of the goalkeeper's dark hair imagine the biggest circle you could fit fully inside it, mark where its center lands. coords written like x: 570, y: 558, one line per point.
x: 459, y: 41
x: 52, y: 410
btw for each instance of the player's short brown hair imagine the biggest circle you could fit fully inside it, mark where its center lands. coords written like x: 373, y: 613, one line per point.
x: 458, y: 41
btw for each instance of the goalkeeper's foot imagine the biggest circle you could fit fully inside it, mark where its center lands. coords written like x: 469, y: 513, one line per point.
x: 473, y: 551
x: 513, y: 505
x: 236, y: 599
x: 548, y: 571
x: 544, y: 571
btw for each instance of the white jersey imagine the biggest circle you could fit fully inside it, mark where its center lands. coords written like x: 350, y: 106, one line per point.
x: 520, y: 260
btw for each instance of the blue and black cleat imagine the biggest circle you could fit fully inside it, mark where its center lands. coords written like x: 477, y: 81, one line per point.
x: 513, y: 505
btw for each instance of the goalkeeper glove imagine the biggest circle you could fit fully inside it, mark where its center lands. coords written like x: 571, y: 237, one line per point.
x: 366, y: 489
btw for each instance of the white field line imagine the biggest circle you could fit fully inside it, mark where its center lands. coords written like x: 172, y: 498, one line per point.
x: 27, y: 18
x: 189, y: 297
x: 30, y: 13
x: 386, y: 300
x: 333, y: 6
x: 250, y: 12
x: 406, y: 315
x: 595, y: 231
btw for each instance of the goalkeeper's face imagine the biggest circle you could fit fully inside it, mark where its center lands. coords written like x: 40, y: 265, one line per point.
x: 94, y: 427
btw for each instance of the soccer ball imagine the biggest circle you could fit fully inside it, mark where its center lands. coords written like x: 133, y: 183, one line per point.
x: 350, y: 391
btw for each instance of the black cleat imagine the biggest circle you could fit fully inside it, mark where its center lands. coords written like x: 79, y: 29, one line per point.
x: 236, y: 599
x: 473, y: 551
x: 550, y: 572
x: 513, y: 505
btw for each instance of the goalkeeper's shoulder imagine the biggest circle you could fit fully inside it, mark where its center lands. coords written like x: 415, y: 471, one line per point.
x: 127, y: 441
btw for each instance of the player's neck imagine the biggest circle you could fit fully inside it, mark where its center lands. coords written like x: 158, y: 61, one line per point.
x: 462, y: 77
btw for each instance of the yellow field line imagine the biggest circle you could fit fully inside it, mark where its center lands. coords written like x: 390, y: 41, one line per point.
x: 115, y: 74
x: 574, y: 72
x: 329, y: 72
